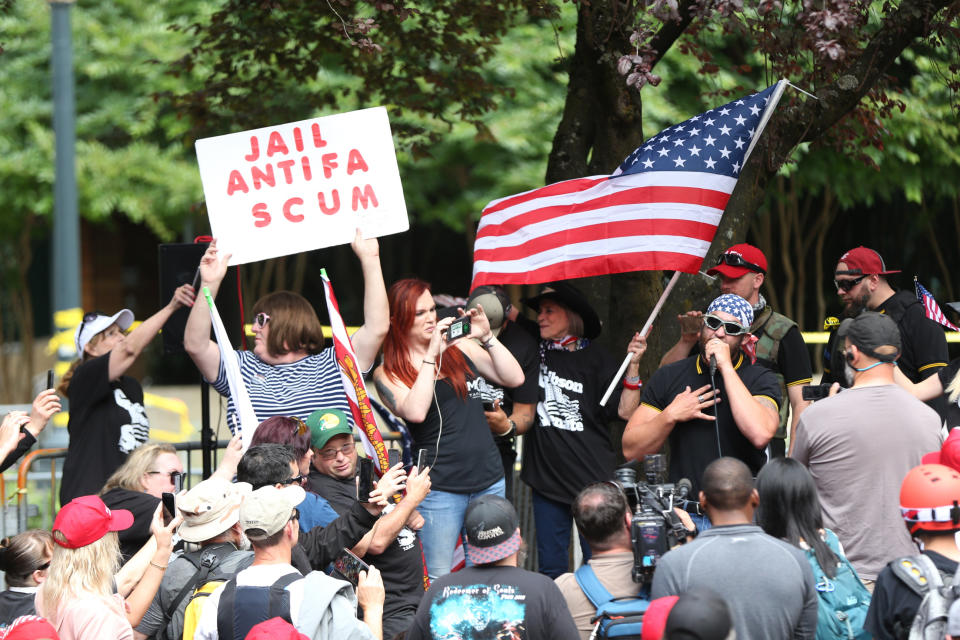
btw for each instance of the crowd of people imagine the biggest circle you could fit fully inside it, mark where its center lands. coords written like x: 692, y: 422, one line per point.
x: 774, y: 517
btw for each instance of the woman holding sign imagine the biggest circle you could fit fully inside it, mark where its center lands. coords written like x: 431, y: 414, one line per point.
x: 430, y: 379
x: 288, y: 372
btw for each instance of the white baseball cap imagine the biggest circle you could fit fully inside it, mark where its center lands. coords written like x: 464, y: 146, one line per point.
x: 94, y: 322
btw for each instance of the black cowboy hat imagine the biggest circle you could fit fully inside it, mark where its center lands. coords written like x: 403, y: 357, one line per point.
x: 573, y: 299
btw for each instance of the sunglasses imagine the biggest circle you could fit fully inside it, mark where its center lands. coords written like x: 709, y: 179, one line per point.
x: 847, y: 285
x: 735, y: 260
x: 261, y: 319
x: 295, y: 515
x: 730, y: 328
x: 90, y: 316
x: 295, y: 480
x: 302, y: 428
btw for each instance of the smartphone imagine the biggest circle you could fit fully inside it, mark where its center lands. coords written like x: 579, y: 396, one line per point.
x: 349, y: 566
x: 488, y: 406
x: 459, y: 328
x: 169, y: 507
x: 365, y: 482
x: 49, y: 379
x: 814, y: 392
x: 393, y: 457
x: 691, y: 324
x: 421, y: 459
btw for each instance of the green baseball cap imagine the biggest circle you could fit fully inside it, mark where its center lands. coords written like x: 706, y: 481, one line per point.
x: 327, y: 423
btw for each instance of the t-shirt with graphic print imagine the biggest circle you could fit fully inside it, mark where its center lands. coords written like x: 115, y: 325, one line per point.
x: 107, y: 422
x: 569, y: 445
x: 490, y: 602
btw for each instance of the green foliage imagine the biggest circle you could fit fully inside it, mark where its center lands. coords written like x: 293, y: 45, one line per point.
x: 130, y: 159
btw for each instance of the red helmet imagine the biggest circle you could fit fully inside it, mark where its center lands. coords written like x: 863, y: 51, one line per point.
x: 930, y: 498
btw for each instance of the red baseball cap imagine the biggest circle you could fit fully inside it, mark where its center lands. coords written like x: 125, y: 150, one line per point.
x: 949, y: 453
x: 863, y: 260
x: 29, y: 628
x: 85, y: 520
x: 275, y: 629
x: 739, y: 260
x: 655, y: 617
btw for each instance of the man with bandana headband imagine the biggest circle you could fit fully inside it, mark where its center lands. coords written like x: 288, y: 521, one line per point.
x: 734, y: 415
x: 859, y: 444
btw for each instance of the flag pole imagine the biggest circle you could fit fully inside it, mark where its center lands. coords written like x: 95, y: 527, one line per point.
x: 643, y: 332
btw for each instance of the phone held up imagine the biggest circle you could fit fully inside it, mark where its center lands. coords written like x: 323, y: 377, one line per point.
x: 421, y: 459
x: 814, y: 392
x: 393, y: 456
x: 349, y: 566
x: 169, y: 507
x: 364, y: 479
x: 50, y: 379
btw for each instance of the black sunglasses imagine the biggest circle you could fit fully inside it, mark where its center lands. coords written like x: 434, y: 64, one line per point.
x: 730, y: 328
x: 736, y: 260
x: 90, y: 316
x: 846, y: 285
x: 294, y: 480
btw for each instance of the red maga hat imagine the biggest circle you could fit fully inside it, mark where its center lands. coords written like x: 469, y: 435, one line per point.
x: 85, y: 520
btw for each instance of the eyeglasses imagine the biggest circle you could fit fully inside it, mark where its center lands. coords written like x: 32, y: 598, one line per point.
x: 847, y: 285
x: 295, y: 480
x: 736, y: 260
x: 730, y: 328
x: 261, y: 320
x: 331, y: 454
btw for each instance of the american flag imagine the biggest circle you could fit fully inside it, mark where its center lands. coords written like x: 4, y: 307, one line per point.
x: 353, y: 383
x: 658, y: 210
x: 931, y: 307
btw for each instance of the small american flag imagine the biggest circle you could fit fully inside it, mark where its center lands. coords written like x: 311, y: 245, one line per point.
x: 931, y: 307
x: 658, y: 210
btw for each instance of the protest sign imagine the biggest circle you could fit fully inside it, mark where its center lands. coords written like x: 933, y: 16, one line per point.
x: 302, y: 185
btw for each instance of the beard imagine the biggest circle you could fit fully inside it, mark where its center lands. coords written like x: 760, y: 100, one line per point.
x: 856, y: 306
x: 733, y: 348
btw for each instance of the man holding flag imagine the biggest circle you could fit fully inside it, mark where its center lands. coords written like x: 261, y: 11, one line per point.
x: 289, y: 372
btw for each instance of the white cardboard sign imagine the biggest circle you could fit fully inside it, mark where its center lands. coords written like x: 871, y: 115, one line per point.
x: 302, y: 185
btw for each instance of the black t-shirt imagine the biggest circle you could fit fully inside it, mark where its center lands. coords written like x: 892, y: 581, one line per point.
x: 490, y: 602
x: 894, y: 604
x: 947, y: 374
x: 693, y: 444
x: 142, y: 506
x: 468, y: 460
x: 793, y: 359
x: 524, y: 348
x: 107, y: 422
x: 400, y: 564
x: 569, y: 446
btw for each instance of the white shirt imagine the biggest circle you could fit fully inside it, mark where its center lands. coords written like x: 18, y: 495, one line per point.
x: 262, y: 575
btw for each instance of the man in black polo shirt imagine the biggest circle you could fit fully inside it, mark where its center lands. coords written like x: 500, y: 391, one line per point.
x: 861, y: 283
x: 392, y: 546
x: 679, y: 403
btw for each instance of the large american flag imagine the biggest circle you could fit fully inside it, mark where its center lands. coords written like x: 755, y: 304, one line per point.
x: 658, y: 210
x: 931, y: 308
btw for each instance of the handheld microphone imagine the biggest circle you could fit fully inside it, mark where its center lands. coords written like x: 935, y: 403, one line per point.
x: 713, y: 365
x: 683, y: 488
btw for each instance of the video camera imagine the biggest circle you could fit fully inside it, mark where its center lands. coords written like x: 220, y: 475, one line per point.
x: 654, y: 528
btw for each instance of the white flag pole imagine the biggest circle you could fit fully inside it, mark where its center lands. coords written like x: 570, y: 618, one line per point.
x: 643, y: 332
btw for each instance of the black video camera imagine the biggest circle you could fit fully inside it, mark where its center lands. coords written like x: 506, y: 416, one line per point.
x: 654, y: 528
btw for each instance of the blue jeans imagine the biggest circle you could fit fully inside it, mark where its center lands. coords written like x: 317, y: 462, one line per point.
x: 553, y: 521
x: 443, y: 513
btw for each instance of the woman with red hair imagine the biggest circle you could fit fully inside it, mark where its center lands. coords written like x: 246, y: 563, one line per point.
x: 432, y: 381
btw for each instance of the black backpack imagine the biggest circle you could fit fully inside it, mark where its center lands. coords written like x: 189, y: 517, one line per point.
x: 242, y: 607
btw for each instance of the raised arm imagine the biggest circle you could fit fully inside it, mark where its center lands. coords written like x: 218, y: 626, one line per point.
x: 756, y: 417
x: 494, y: 361
x: 927, y: 389
x: 389, y: 525
x: 125, y: 353
x: 376, y: 311
x: 690, y: 323
x: 413, y: 403
x: 630, y: 396
x: 196, y: 337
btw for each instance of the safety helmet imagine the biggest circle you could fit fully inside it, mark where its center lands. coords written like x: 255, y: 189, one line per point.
x: 930, y: 498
